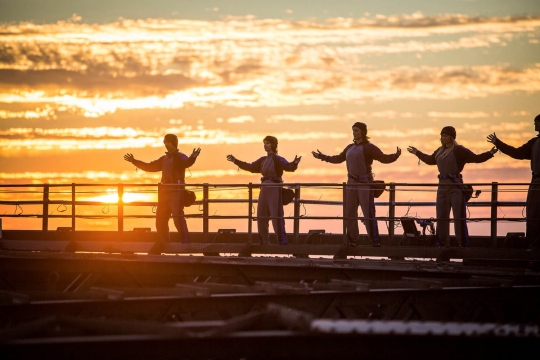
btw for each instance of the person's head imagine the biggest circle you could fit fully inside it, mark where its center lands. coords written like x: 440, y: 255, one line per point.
x: 537, y: 123
x: 171, y: 142
x: 448, y: 136
x: 360, y: 131
x: 270, y: 144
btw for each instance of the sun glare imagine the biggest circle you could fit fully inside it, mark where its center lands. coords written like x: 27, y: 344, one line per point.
x: 112, y: 197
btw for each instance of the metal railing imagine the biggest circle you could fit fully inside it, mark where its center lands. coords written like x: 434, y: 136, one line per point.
x: 391, y: 188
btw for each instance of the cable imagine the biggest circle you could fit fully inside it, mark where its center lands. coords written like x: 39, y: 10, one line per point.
x: 18, y: 206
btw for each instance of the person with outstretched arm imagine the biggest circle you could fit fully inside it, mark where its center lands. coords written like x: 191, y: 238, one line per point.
x: 528, y: 151
x: 173, y: 167
x: 450, y: 159
x: 359, y: 157
x: 270, y: 202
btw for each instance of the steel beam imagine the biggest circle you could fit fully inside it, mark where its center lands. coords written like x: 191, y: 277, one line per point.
x: 494, y: 305
x: 339, y: 252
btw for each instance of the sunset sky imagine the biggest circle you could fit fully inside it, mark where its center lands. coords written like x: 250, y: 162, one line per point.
x: 82, y: 83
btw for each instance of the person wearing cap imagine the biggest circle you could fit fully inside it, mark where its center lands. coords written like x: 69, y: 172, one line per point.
x: 270, y: 204
x: 528, y: 151
x: 173, y: 167
x: 450, y: 159
x: 359, y: 158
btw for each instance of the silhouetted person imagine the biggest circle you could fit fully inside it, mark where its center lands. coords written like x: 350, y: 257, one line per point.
x: 528, y: 151
x: 450, y: 159
x: 173, y: 167
x: 359, y: 157
x: 270, y: 202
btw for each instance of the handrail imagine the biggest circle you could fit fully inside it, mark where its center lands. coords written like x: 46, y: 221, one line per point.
x: 494, y: 203
x: 258, y: 185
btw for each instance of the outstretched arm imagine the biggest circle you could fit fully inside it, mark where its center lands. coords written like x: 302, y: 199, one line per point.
x: 471, y: 157
x: 523, y: 152
x: 428, y: 159
x: 336, y: 159
x: 376, y: 154
x: 153, y: 166
x: 254, y: 167
x: 290, y: 166
x: 193, y: 157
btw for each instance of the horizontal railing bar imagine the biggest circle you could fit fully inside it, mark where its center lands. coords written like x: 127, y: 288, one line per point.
x: 340, y: 185
x: 244, y: 201
x: 266, y: 217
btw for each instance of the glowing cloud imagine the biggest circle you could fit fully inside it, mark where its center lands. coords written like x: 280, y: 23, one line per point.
x: 247, y: 62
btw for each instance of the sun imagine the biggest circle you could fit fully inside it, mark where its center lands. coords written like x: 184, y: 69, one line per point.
x: 112, y: 197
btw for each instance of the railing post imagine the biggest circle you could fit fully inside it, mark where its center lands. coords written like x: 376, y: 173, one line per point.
x: 72, y: 206
x: 45, y: 218
x: 345, y: 241
x: 296, y: 213
x: 392, y: 212
x: 120, y: 207
x: 494, y: 205
x: 250, y: 216
x: 205, y: 212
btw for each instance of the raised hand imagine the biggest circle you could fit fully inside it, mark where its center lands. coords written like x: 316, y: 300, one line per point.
x: 196, y: 152
x: 494, y: 150
x: 129, y: 158
x: 412, y: 150
x: 398, y: 152
x: 231, y: 158
x: 492, y: 138
x: 297, y: 159
x: 318, y: 154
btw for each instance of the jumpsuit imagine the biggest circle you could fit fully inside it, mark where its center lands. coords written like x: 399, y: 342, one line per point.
x: 529, y: 151
x: 533, y: 200
x: 359, y: 195
x: 270, y: 205
x: 270, y: 202
x: 450, y: 197
x: 170, y: 202
x: 359, y: 159
x: 170, y: 197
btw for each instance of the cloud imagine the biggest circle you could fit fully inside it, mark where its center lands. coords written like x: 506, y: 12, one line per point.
x: 520, y: 113
x: 408, y: 134
x: 301, y: 118
x: 240, y: 46
x: 164, y: 29
x: 241, y: 119
x: 249, y: 62
x: 307, y: 87
x: 77, y: 133
x: 502, y: 126
x: 88, y: 84
x: 25, y: 141
x: 460, y: 115
x: 46, y: 113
